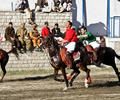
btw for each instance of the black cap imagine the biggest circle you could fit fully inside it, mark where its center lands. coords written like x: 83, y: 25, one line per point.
x: 46, y: 23
x: 10, y: 23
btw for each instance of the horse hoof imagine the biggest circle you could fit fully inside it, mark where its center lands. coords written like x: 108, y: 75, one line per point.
x: 87, y: 82
x: 65, y: 89
x: 86, y: 85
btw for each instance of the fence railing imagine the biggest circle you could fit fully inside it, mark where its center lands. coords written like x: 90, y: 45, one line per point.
x: 115, y: 27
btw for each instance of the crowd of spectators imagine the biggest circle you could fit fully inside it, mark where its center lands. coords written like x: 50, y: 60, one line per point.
x: 43, y: 6
x: 22, y: 6
x: 29, y: 40
x: 53, y: 5
x: 25, y: 40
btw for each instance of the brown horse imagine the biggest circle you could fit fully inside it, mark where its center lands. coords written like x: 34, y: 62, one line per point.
x: 59, y: 61
x: 105, y: 55
x: 4, y: 57
x: 80, y: 63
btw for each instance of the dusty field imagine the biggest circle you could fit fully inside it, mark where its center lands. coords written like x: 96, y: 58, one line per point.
x: 31, y: 85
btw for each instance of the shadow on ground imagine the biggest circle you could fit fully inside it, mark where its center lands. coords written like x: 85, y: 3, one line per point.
x: 106, y: 84
x: 36, y: 78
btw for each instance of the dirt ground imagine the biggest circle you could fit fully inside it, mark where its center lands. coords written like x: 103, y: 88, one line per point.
x: 37, y: 86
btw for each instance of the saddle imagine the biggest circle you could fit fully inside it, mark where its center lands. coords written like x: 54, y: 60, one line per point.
x: 77, y: 52
x: 80, y: 48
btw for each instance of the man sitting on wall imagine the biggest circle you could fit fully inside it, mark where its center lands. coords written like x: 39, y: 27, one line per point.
x: 21, y: 34
x: 35, y: 36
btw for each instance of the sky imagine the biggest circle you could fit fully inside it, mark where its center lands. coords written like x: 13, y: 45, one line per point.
x: 6, y: 4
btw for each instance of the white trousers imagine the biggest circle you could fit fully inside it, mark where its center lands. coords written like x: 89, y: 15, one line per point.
x: 70, y: 47
x: 94, y: 44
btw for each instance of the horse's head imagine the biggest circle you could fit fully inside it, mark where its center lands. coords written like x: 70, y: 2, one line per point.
x: 51, y: 44
x: 48, y: 41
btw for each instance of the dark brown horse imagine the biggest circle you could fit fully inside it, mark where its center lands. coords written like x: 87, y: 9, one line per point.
x: 4, y: 57
x: 107, y: 55
x: 59, y: 61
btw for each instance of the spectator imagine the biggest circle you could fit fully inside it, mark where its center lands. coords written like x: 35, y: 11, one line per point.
x: 69, y: 5
x: 65, y: 5
x: 23, y: 6
x: 21, y: 34
x: 39, y: 5
x: 56, y: 6
x: 45, y: 30
x: 49, y: 7
x: 35, y: 36
x: 56, y: 31
x: 10, y: 34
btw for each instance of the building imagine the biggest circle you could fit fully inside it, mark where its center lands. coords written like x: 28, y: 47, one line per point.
x: 102, y: 17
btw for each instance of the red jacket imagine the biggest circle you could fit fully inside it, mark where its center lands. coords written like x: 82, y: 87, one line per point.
x: 71, y: 35
x: 45, y: 32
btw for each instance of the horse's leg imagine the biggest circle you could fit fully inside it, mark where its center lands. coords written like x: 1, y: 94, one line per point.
x: 88, y: 78
x: 65, y: 78
x: 3, y: 64
x: 69, y: 76
x: 4, y: 71
x: 55, y: 73
x: 55, y: 70
x: 74, y: 74
x: 116, y: 70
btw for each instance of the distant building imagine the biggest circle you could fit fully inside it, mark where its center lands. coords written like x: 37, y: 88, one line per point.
x: 102, y: 17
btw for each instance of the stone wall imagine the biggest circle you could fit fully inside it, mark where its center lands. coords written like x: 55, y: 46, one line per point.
x: 40, y: 18
x: 26, y: 61
x: 35, y: 59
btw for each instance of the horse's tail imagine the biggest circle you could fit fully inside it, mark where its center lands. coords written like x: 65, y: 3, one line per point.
x: 117, y: 56
x: 14, y: 51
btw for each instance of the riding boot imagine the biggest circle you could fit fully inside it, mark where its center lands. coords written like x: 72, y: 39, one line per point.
x: 95, y: 59
x: 69, y: 60
x: 94, y: 56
